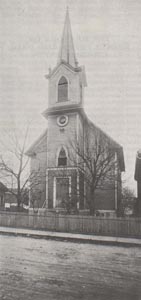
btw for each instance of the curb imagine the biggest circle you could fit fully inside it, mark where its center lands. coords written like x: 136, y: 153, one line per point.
x: 74, y: 239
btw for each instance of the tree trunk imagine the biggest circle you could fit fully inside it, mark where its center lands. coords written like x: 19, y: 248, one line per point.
x: 18, y: 201
x: 92, y: 202
x: 19, y: 195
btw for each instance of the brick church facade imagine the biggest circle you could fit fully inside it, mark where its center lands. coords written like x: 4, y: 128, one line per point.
x: 60, y: 178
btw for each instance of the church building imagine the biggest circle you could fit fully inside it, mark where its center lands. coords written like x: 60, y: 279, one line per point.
x: 137, y: 177
x: 58, y: 180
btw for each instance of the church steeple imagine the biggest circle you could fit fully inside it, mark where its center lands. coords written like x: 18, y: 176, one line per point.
x: 67, y: 52
x: 67, y: 80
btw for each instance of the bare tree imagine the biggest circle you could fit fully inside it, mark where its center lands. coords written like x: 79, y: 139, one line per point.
x: 128, y: 198
x: 14, y: 165
x: 94, y: 153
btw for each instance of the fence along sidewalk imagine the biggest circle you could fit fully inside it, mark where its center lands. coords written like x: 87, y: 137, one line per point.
x: 119, y: 227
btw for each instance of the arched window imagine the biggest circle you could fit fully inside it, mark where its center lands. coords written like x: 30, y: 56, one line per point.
x: 62, y: 158
x: 62, y: 89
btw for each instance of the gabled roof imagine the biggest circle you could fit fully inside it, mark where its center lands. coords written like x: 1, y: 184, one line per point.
x: 114, y: 145
x: 67, y: 65
x: 71, y: 108
x: 67, y: 59
x: 80, y: 70
x: 137, y: 175
x: 3, y: 188
x: 37, y: 144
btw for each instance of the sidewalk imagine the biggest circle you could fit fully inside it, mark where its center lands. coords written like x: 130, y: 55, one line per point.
x: 72, y: 237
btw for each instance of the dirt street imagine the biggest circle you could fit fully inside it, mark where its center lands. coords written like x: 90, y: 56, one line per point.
x: 34, y: 269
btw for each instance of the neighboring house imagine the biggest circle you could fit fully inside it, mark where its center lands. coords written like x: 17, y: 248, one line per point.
x: 10, y: 199
x: 6, y: 198
x: 51, y: 155
x: 3, y: 190
x: 138, y: 179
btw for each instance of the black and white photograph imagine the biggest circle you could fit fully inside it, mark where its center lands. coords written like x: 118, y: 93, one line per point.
x: 70, y: 150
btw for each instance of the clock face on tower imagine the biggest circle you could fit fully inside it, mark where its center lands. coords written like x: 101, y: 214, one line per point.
x: 62, y: 120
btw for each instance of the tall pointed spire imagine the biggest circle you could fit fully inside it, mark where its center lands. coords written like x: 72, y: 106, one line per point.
x: 67, y: 52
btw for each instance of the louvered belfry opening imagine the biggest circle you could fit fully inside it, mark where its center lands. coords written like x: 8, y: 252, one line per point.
x: 62, y: 89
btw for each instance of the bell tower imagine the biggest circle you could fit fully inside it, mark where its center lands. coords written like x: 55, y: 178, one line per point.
x: 66, y: 83
x: 64, y: 158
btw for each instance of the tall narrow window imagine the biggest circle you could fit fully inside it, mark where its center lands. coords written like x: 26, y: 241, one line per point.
x: 62, y: 158
x: 62, y: 89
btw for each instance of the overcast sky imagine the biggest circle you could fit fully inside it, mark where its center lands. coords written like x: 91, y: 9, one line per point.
x: 107, y: 39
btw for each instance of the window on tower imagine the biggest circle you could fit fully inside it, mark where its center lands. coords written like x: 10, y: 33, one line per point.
x: 62, y: 89
x: 62, y: 158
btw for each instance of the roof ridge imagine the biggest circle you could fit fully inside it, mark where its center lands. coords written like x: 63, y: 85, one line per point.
x: 36, y: 143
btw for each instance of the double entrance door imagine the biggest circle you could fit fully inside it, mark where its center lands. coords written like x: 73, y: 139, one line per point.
x: 61, y: 191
